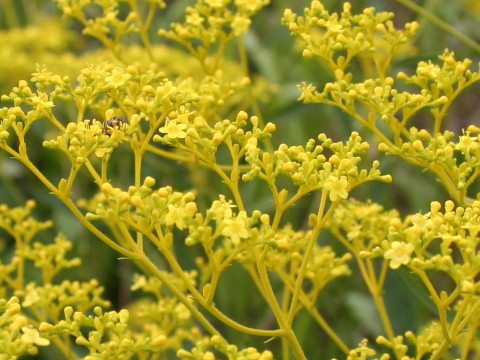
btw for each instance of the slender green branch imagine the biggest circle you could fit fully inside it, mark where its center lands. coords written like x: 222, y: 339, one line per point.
x: 145, y: 261
x: 178, y: 270
x: 321, y: 219
x: 253, y: 101
x: 282, y: 322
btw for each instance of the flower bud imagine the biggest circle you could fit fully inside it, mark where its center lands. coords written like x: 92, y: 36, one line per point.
x: 149, y: 181
x: 160, y: 340
x: 137, y: 201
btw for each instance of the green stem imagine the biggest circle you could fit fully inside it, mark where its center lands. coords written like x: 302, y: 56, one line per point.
x: 253, y: 101
x: 143, y: 27
x: 308, y: 254
x: 282, y: 322
x: 384, y: 315
x: 68, y: 202
x: 308, y: 303
x: 177, y: 269
x: 145, y: 261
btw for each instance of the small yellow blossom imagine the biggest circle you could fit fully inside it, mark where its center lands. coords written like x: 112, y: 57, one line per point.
x: 175, y: 216
x: 240, y: 25
x: 236, y: 228
x: 118, y: 78
x: 32, y: 336
x: 174, y: 130
x: 41, y: 102
x: 399, y: 254
x: 194, y: 18
x: 337, y: 187
x: 31, y: 298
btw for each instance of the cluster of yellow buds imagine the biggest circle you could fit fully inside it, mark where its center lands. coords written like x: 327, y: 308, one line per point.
x: 361, y: 224
x: 203, y: 350
x: 80, y: 140
x: 310, y: 168
x: 144, y: 208
x: 202, y: 140
x: 289, y: 251
x: 17, y: 336
x: 29, y: 106
x: 445, y: 78
x: 108, y: 336
x: 455, y: 158
x: 240, y: 229
x: 19, y: 223
x: 51, y: 257
x: 212, y: 21
x: 52, y: 298
x: 106, y: 25
x: 337, y: 38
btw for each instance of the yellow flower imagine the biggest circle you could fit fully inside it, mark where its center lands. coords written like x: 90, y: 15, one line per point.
x: 174, y: 130
x: 118, y: 78
x: 32, y: 296
x: 399, y: 254
x: 32, y: 336
x: 240, y: 25
x: 236, y: 228
x: 336, y: 187
x: 41, y: 102
x: 175, y: 216
x: 194, y: 18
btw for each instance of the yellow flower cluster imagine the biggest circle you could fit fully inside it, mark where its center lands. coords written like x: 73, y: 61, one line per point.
x: 17, y: 335
x: 210, y: 22
x: 339, y: 38
x: 330, y: 36
x: 201, y: 351
x: 309, y: 168
x: 85, y: 138
x: 145, y: 209
x: 436, y: 242
x: 108, y: 336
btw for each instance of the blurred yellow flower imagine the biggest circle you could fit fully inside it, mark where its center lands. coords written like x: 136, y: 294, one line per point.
x: 32, y: 336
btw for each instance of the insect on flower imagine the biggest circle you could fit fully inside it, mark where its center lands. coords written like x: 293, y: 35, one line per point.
x: 115, y: 122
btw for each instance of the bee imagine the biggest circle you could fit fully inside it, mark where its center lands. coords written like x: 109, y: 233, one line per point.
x: 115, y: 122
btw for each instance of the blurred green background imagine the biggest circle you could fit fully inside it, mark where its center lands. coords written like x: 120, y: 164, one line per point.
x: 34, y: 32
